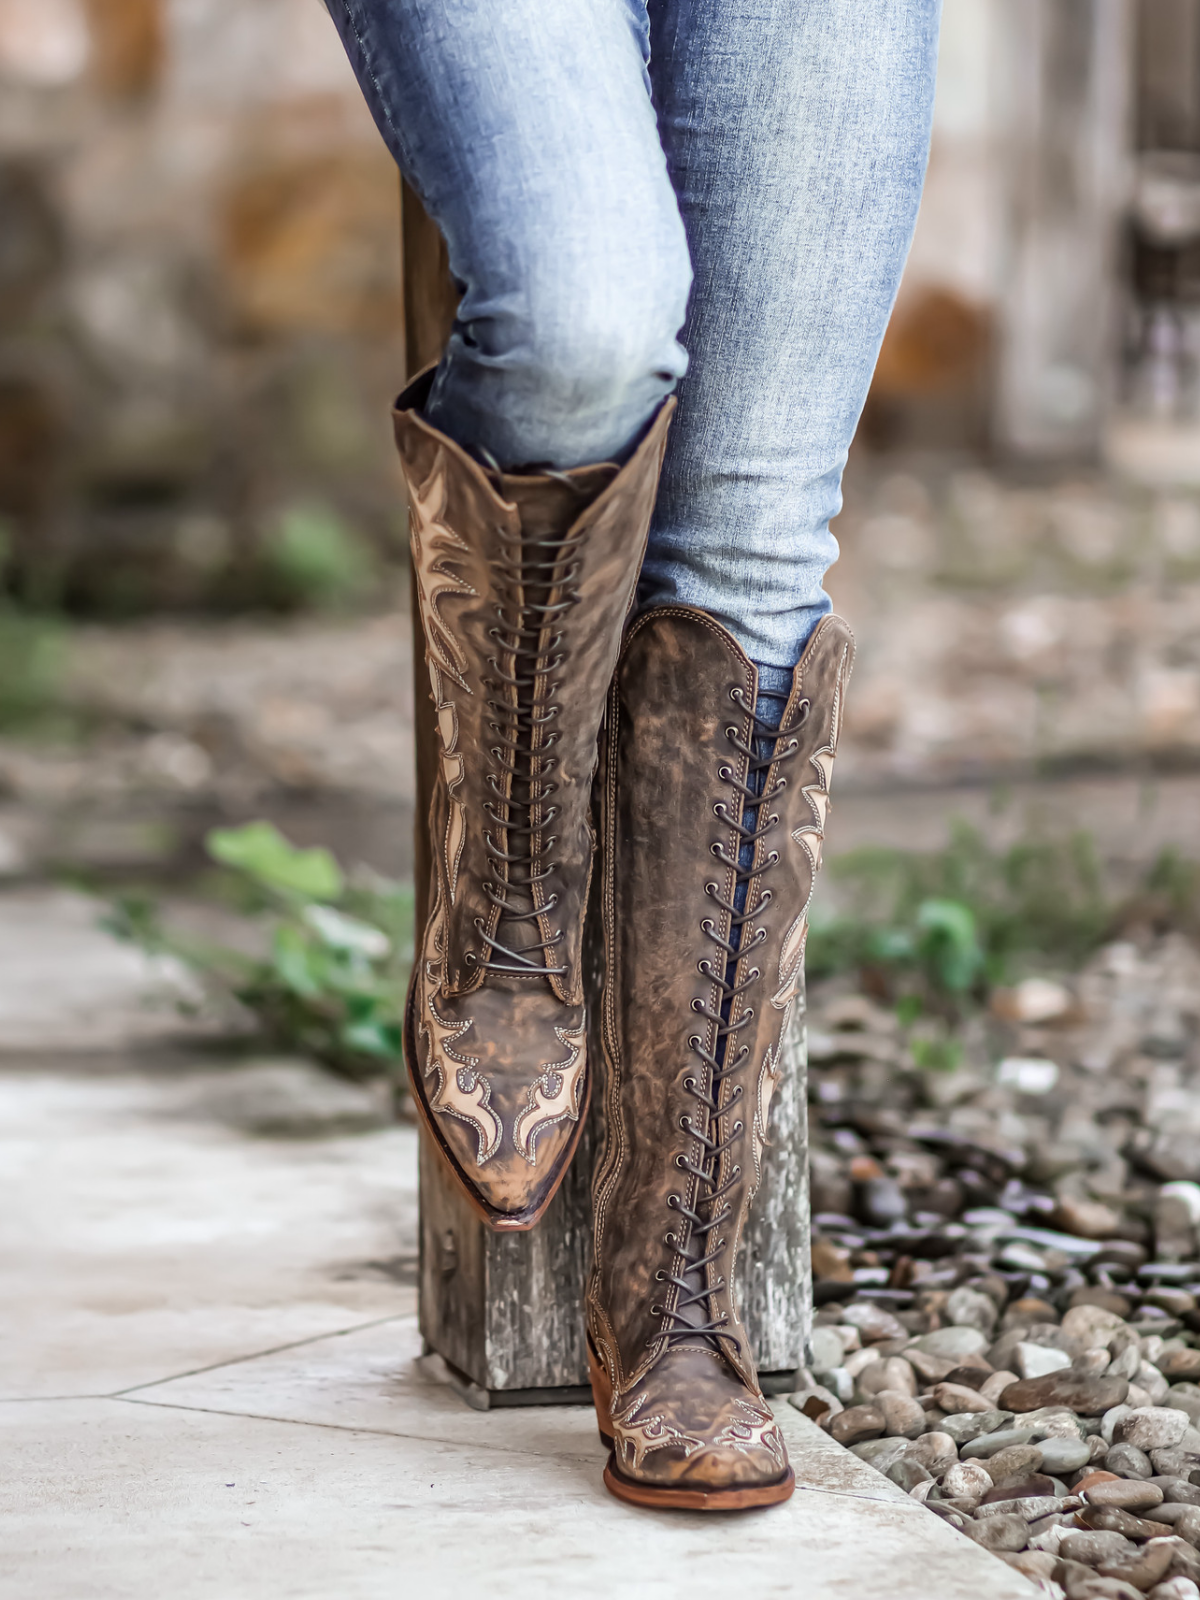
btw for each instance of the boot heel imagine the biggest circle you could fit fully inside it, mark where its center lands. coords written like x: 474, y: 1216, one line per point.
x: 601, y: 1393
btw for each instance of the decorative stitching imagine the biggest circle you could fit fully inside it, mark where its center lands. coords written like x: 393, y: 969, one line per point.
x: 543, y: 1106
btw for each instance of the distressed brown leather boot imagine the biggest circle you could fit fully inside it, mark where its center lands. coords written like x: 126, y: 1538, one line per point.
x: 525, y: 582
x: 712, y: 838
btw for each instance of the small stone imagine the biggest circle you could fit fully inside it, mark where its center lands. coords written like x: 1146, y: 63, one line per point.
x: 827, y: 1350
x: 935, y: 1451
x: 1090, y: 1478
x: 1006, y: 1532
x: 1093, y: 1548
x: 973, y: 1374
x: 1178, y: 1490
x: 1117, y: 1521
x: 1037, y: 1565
x: 1092, y: 1361
x: 907, y: 1474
x: 1175, y: 1589
x: 956, y: 1519
x: 858, y: 1424
x: 966, y: 1480
x: 933, y: 1369
x: 903, y: 1417
x: 1027, y: 1311
x: 1187, y: 1524
x: 953, y: 1343
x: 967, y: 1425
x: 1030, y: 1509
x: 1185, y: 1397
x: 1088, y: 1393
x: 1107, y: 1299
x: 1018, y: 1461
x: 954, y: 1397
x: 1086, y: 1219
x: 1151, y: 1428
x: 991, y: 1444
x: 1127, y: 1494
x: 1176, y: 1364
x: 1092, y: 1325
x: 994, y: 1386
x: 1177, y: 1463
x: 1025, y: 1488
x: 830, y: 1263
x: 1054, y: 1422
x: 1174, y: 1224
x: 1142, y: 1570
x: 968, y: 1308
x: 1060, y: 1456
x: 880, y: 1453
x: 1108, y: 1422
x: 874, y: 1324
x: 816, y: 1402
x: 1036, y: 1360
x: 1127, y: 1461
x: 893, y: 1374
x: 857, y: 1364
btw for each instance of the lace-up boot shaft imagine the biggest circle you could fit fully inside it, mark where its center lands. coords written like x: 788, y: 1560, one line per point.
x: 524, y: 582
x: 713, y: 831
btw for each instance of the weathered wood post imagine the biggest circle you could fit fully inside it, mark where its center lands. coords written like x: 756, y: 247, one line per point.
x: 505, y: 1311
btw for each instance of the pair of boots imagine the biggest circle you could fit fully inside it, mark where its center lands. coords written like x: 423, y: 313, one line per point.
x: 713, y: 816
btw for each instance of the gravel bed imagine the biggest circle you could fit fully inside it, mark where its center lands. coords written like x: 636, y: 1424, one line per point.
x: 1007, y: 1268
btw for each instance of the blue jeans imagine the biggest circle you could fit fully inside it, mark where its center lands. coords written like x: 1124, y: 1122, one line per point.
x: 590, y: 162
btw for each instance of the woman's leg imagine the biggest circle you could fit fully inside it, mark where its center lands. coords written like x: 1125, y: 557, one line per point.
x: 796, y: 138
x: 527, y: 130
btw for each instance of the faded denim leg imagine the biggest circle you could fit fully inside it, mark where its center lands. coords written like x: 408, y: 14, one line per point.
x: 527, y: 130
x: 796, y: 137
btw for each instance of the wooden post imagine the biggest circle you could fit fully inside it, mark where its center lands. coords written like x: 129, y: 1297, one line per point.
x: 505, y: 1311
x: 1066, y: 66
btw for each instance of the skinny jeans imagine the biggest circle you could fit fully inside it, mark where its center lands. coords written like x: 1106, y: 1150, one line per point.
x: 711, y: 197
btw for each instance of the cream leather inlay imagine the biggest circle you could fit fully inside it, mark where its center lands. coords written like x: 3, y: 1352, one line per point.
x: 544, y: 1108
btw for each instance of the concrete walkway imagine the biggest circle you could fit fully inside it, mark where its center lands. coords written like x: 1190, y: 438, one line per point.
x: 213, y: 1389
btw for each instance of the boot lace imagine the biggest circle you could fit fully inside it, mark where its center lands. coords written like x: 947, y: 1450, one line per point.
x: 525, y: 682
x: 715, y: 1126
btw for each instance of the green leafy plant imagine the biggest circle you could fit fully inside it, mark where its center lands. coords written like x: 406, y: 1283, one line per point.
x: 331, y: 983
x: 313, y: 557
x: 31, y: 661
x: 938, y: 929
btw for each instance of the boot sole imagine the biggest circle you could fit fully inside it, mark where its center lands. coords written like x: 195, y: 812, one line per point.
x: 666, y: 1498
x: 497, y: 1221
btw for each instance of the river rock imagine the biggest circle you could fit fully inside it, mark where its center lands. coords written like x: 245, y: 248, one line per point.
x: 1127, y: 1494
x: 903, y: 1417
x: 991, y: 1444
x: 1093, y: 1548
x: 1018, y: 1459
x: 873, y: 1323
x: 1036, y: 1360
x: 1090, y: 1394
x: 1151, y: 1428
x: 965, y: 1425
x: 1142, y: 1570
x: 1187, y: 1524
x: 966, y: 1480
x: 858, y: 1423
x: 1127, y: 1461
x: 907, y: 1474
x: 969, y: 1308
x: 1091, y: 1325
x: 952, y: 1343
x: 1115, y: 1521
x: 996, y: 1383
x: 935, y: 1451
x: 827, y: 1350
x: 1185, y: 1397
x: 955, y: 1398
x: 1177, y: 1364
x: 1064, y: 1455
x: 1175, y: 1589
x: 880, y: 1453
x: 1005, y: 1532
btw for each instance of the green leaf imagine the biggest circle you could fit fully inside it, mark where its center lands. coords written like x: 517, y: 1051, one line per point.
x: 260, y: 851
x: 350, y: 935
x: 295, y: 964
x: 378, y: 1038
x: 948, y: 944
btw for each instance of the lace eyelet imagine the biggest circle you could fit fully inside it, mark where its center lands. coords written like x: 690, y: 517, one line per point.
x: 469, y: 959
x: 679, y: 1162
x: 697, y: 1005
x: 660, y: 1276
x: 724, y: 772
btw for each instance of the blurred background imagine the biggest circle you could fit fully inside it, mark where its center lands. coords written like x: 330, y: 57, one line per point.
x: 203, y: 592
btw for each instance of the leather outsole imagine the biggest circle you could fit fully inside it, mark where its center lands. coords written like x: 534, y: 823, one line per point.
x: 497, y: 1221
x: 682, y: 1499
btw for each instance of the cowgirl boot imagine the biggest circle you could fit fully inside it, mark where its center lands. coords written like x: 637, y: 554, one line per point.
x: 713, y: 822
x: 524, y: 583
